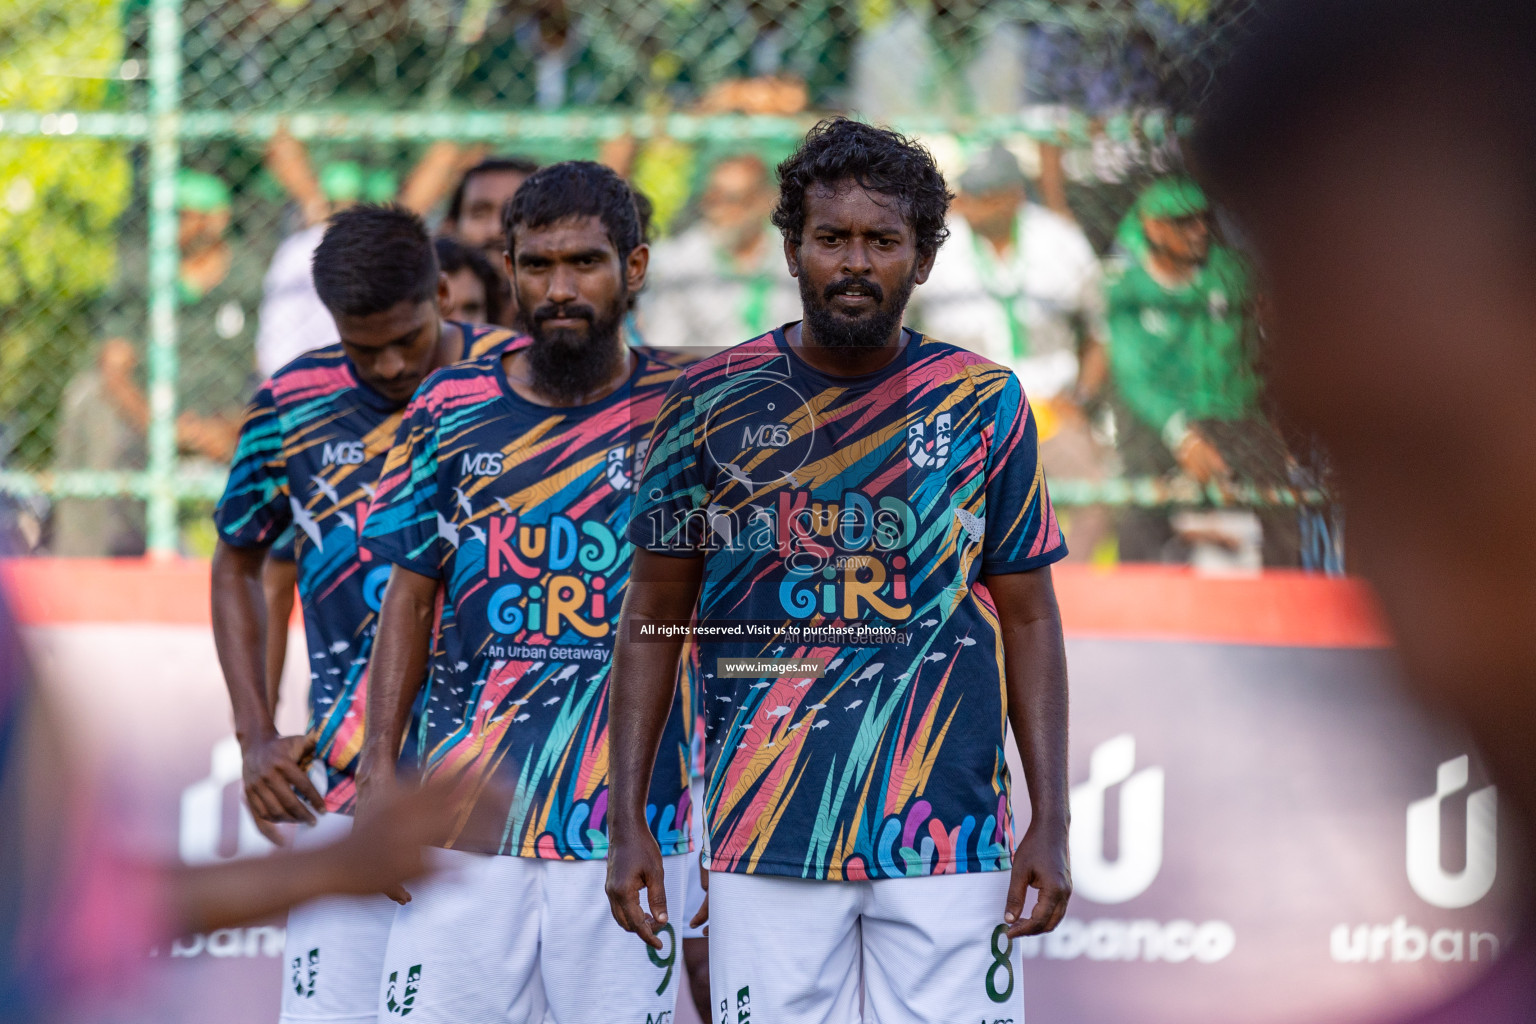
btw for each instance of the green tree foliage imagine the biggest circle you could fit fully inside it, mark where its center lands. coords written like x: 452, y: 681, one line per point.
x: 60, y: 199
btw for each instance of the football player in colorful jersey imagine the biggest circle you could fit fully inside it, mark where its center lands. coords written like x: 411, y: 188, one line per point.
x: 858, y: 514
x: 504, y: 510
x: 310, y: 452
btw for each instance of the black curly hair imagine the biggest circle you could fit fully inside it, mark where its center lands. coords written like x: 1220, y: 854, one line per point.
x: 876, y: 159
x: 576, y: 188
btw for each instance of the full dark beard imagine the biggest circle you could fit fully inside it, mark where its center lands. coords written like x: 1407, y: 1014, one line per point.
x: 567, y: 365
x: 871, y: 330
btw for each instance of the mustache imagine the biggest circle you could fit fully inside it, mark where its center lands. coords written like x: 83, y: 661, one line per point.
x: 843, y: 286
x: 569, y: 311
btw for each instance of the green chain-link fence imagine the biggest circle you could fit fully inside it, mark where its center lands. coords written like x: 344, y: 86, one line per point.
x: 129, y: 310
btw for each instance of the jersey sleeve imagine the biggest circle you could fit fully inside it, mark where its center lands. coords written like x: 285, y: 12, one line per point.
x: 282, y: 549
x: 403, y: 522
x: 668, y: 516
x: 1021, y: 532
x: 255, y: 507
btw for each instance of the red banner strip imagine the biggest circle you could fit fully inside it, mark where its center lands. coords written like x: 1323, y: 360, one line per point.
x: 1277, y: 608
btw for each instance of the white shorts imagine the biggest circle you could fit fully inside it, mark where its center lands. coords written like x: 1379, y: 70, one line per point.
x: 334, y: 949
x: 516, y: 940
x: 793, y: 951
x: 695, y: 887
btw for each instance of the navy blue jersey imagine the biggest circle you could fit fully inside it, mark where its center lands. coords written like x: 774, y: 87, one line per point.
x: 310, y: 452
x: 521, y: 511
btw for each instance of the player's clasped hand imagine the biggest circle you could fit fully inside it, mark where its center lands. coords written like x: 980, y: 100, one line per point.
x: 1040, y: 861
x: 276, y: 780
x: 633, y: 866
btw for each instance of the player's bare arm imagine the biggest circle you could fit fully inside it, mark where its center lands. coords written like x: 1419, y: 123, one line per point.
x: 1035, y: 667
x: 642, y: 684
x: 276, y: 786
x: 279, y: 578
x: 395, y: 675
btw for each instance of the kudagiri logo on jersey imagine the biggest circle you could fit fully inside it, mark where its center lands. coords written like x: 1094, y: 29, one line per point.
x: 845, y: 558
x: 560, y: 573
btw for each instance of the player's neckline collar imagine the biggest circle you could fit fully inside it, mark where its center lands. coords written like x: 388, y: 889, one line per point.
x: 902, y: 360
x: 370, y: 397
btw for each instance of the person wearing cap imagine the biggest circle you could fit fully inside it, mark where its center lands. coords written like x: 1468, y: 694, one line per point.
x: 1021, y: 285
x: 1179, y: 335
x: 104, y: 415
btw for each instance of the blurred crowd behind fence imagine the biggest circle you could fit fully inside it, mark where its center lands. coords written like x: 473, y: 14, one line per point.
x: 149, y: 151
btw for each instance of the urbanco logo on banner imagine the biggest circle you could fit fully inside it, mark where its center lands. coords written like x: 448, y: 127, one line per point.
x: 1098, y: 879
x: 1404, y: 942
x: 1426, y: 873
x: 202, y: 812
x: 1140, y: 858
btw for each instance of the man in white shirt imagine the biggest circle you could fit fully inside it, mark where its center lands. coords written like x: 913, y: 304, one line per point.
x: 724, y: 278
x: 1020, y: 284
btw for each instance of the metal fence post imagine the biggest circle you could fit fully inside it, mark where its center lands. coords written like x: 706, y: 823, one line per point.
x: 164, y: 157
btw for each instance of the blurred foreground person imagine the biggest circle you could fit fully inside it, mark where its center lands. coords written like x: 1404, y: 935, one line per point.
x: 310, y: 453
x: 76, y: 919
x: 1180, y: 338
x: 1380, y: 157
x: 503, y: 508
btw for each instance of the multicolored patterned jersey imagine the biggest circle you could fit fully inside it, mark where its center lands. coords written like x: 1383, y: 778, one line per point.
x: 521, y: 511
x: 846, y: 522
x: 311, y: 449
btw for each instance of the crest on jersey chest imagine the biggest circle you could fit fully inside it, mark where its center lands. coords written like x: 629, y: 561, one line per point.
x: 621, y: 472
x: 926, y: 454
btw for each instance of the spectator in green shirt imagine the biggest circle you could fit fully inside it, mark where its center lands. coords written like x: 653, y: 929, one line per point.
x: 105, y: 411
x: 1178, y: 326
